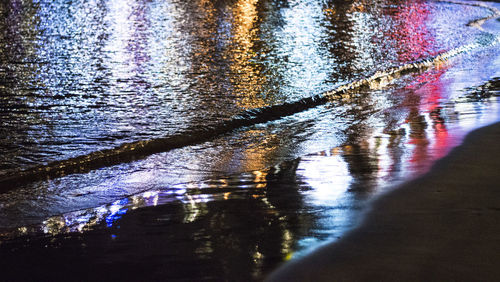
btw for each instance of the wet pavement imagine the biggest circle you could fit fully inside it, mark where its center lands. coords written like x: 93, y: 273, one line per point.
x: 442, y: 226
x: 81, y: 77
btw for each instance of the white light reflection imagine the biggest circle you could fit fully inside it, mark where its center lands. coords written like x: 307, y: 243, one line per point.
x: 328, y: 177
x: 307, y: 65
x: 121, y: 24
x: 362, y: 40
x: 196, y: 204
x: 473, y: 115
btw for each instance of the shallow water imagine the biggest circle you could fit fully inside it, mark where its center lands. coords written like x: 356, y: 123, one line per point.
x: 82, y: 76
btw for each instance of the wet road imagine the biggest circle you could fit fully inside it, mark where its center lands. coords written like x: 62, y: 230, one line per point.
x: 84, y: 76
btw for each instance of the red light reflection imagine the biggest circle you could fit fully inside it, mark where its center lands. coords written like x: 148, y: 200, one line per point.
x: 415, y: 41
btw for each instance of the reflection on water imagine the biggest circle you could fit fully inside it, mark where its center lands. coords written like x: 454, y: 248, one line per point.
x: 80, y: 76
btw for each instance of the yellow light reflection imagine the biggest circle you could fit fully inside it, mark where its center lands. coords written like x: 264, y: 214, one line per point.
x: 192, y: 210
x: 54, y: 225
x: 335, y: 151
x: 223, y: 183
x: 22, y: 230
x: 254, y: 157
x: 357, y: 7
x: 287, y: 243
x: 247, y: 80
x: 330, y: 11
x: 260, y: 179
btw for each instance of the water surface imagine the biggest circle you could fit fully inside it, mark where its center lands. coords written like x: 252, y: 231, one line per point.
x: 77, y: 77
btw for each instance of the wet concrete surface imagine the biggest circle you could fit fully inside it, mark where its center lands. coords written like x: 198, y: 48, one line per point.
x: 443, y: 226
x: 81, y: 77
x: 237, y: 239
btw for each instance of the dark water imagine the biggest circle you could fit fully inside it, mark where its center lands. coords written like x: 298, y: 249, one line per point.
x: 79, y: 77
